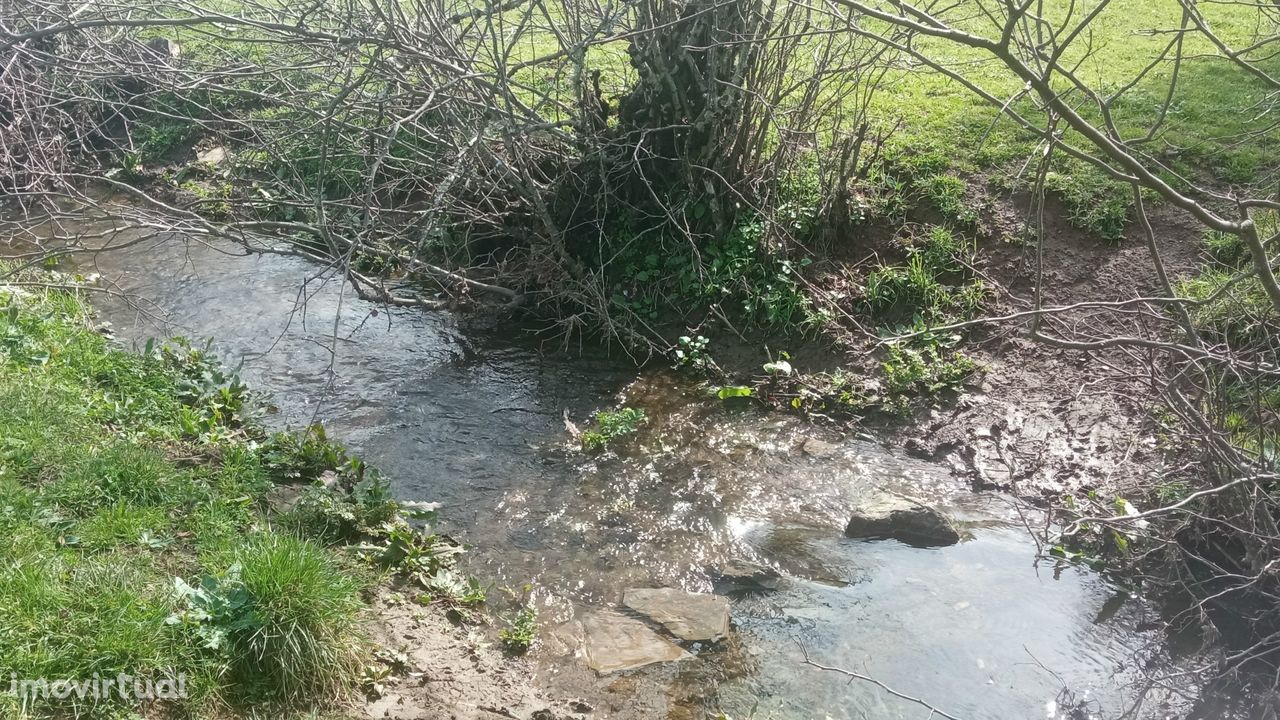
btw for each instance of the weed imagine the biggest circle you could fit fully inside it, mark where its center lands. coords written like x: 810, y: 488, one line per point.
x: 909, y: 369
x: 915, y: 371
x: 947, y: 194
x: 293, y: 458
x: 737, y: 272
x: 691, y: 354
x: 521, y: 631
x: 215, y: 609
x: 610, y: 425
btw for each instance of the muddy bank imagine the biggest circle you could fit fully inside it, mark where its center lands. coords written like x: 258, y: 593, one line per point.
x: 1044, y: 421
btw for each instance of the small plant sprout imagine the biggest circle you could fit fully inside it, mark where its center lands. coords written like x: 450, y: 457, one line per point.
x: 612, y: 424
x: 780, y: 367
x: 691, y: 354
x: 521, y: 631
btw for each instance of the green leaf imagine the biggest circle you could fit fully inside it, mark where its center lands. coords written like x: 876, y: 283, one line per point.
x: 781, y: 367
x: 735, y: 391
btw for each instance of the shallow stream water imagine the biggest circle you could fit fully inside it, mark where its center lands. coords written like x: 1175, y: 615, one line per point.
x: 473, y: 418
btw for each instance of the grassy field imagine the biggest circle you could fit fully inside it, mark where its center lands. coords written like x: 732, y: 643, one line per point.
x: 1215, y: 128
x: 139, y: 536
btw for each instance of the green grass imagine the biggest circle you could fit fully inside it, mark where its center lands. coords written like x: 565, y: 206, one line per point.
x: 135, y: 536
x: 931, y: 288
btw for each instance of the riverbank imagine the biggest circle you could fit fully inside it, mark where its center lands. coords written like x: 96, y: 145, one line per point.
x: 154, y: 529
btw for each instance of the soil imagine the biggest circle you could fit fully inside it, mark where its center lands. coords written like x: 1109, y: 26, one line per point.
x: 1047, y: 421
x: 449, y: 670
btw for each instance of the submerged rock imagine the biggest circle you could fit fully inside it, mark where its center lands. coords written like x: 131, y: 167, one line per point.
x: 813, y: 447
x: 614, y: 642
x: 689, y: 616
x: 739, y: 576
x: 901, y: 519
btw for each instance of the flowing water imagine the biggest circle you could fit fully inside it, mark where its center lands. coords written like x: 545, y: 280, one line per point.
x: 474, y: 418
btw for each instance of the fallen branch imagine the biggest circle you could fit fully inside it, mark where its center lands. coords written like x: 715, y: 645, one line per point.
x: 933, y: 710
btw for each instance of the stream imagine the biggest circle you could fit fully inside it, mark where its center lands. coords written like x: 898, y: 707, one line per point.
x: 470, y: 414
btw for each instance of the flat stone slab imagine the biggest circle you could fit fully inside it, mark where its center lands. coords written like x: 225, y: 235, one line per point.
x: 212, y: 156
x: 901, y: 519
x: 689, y: 616
x: 747, y: 577
x: 614, y: 642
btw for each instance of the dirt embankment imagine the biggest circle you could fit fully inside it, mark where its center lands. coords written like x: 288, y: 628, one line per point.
x: 1047, y: 420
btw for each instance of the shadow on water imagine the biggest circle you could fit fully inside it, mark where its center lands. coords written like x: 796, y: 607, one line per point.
x: 473, y: 418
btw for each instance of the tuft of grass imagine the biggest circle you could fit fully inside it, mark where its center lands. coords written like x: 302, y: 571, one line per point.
x: 1226, y: 249
x: 930, y: 287
x: 1096, y: 203
x: 946, y: 192
x: 303, y: 640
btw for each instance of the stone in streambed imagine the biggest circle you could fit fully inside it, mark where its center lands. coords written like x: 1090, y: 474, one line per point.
x: 901, y: 519
x: 740, y: 576
x: 815, y: 448
x: 689, y: 616
x: 213, y: 156
x: 614, y: 642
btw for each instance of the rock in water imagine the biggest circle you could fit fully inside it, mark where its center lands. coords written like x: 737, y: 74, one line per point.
x: 689, y: 616
x: 614, y: 642
x: 212, y: 156
x: 813, y: 447
x: 736, y: 576
x: 901, y: 519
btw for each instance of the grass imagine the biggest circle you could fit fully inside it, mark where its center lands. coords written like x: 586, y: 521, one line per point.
x: 137, y: 537
x: 1215, y: 130
x: 931, y: 287
x: 1211, y: 107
